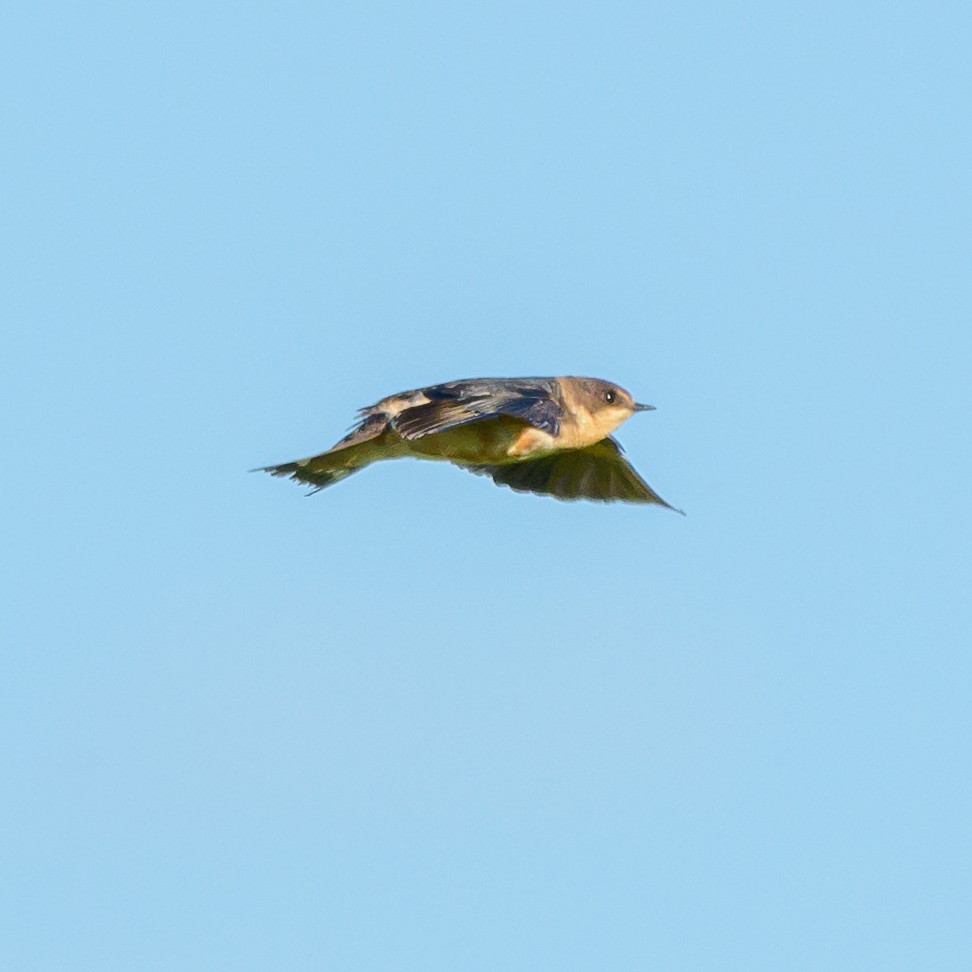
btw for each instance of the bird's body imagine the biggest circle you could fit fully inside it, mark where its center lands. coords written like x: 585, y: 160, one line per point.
x: 540, y: 435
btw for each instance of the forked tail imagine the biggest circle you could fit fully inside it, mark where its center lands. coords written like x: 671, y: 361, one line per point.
x: 361, y: 447
x: 317, y: 472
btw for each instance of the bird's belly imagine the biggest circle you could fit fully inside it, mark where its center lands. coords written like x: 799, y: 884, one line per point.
x: 489, y: 442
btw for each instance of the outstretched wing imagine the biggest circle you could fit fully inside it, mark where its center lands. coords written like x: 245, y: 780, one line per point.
x: 600, y: 472
x: 441, y: 407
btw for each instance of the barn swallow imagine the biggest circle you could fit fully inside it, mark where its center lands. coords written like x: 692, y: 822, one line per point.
x: 536, y: 435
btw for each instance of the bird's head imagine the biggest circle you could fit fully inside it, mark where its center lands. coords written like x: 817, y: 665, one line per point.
x: 608, y: 404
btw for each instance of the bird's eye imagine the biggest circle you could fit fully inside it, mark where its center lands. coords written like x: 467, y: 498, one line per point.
x: 610, y: 396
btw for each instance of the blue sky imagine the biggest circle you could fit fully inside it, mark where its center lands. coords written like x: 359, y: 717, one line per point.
x: 418, y: 722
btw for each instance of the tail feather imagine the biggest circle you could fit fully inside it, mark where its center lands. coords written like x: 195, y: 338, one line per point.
x: 313, y: 471
x: 355, y: 451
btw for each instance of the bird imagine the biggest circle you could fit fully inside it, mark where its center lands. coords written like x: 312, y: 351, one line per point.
x: 550, y: 436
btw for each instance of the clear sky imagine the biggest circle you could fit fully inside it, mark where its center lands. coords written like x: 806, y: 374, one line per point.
x: 417, y: 722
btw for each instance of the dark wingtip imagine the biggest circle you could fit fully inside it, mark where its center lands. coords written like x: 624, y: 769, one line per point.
x: 668, y: 506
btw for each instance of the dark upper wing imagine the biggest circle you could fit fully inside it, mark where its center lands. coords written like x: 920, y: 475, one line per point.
x: 599, y: 472
x: 534, y: 400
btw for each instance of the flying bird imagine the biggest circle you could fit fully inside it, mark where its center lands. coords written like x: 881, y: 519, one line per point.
x: 537, y: 435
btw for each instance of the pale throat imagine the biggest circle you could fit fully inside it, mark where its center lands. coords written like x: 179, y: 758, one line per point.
x: 585, y: 428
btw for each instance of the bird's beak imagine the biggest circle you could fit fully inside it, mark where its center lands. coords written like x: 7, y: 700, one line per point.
x: 644, y: 408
